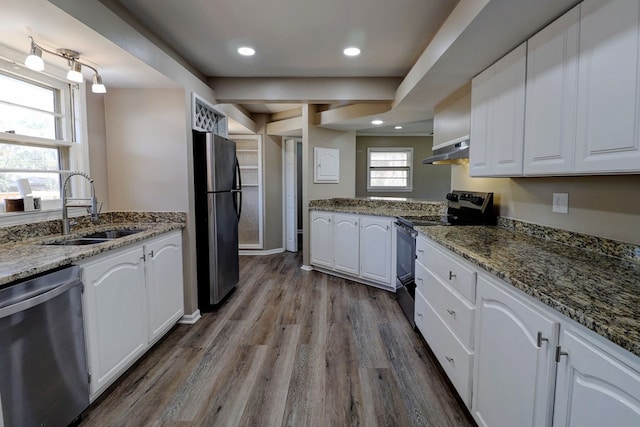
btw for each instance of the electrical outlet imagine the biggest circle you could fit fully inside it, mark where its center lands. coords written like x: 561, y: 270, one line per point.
x: 561, y: 203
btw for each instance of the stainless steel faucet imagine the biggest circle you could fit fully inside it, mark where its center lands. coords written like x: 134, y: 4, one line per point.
x: 91, y: 204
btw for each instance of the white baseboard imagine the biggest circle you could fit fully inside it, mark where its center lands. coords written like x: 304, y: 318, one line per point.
x: 306, y: 267
x: 190, y: 319
x: 260, y: 252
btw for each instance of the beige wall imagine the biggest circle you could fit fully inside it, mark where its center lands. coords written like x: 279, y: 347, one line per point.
x: 97, y: 142
x: 314, y: 136
x: 430, y: 182
x: 604, y: 206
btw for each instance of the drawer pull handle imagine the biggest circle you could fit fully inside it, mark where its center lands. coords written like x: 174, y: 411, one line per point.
x: 560, y: 353
x: 419, y: 279
x: 451, y: 275
x: 449, y: 359
x: 539, y: 339
x: 420, y: 251
x: 419, y: 314
x: 451, y: 312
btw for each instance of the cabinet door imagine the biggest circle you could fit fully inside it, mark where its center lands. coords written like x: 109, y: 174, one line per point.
x: 552, y: 97
x: 593, y: 387
x: 327, y: 167
x: 609, y: 87
x: 114, y: 312
x: 322, y: 239
x: 497, y: 117
x: 514, y: 376
x: 165, y: 298
x: 375, y: 249
x: 346, y: 243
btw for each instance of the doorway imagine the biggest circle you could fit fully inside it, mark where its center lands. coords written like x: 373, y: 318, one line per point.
x: 293, y: 194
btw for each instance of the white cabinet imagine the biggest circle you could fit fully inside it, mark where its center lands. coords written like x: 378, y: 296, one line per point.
x: 327, y: 165
x: 165, y: 297
x: 376, y: 249
x: 608, y: 137
x: 497, y: 117
x: 514, y: 367
x: 346, y: 243
x: 114, y: 314
x: 322, y: 239
x: 360, y: 247
x: 132, y: 296
x: 551, y: 97
x: 596, y: 385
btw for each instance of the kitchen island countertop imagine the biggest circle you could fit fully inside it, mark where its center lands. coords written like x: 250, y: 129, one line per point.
x: 600, y: 292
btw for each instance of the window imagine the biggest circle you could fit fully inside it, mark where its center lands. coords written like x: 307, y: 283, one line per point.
x: 390, y: 169
x: 35, y: 133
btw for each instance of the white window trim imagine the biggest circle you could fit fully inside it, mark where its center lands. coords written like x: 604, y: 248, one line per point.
x: 76, y: 127
x: 408, y: 188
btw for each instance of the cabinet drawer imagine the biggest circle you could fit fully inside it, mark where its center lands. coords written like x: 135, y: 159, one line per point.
x: 455, y: 359
x: 450, y: 270
x: 454, y: 310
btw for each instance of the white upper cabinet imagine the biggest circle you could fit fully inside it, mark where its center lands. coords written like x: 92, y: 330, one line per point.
x: 497, y: 117
x: 551, y: 97
x: 327, y: 165
x: 608, y: 137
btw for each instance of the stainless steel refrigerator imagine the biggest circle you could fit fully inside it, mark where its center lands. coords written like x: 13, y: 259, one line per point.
x: 218, y: 205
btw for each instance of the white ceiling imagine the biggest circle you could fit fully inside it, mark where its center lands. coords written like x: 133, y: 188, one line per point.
x: 414, y: 52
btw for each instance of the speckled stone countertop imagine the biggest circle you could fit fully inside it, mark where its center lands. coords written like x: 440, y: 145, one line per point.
x: 381, y: 207
x: 600, y: 292
x: 23, y: 254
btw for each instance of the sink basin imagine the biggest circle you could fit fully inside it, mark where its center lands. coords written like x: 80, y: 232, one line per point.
x: 111, y: 234
x: 77, y: 242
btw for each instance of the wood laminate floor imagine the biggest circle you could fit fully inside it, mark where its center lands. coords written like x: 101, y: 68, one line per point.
x: 288, y: 348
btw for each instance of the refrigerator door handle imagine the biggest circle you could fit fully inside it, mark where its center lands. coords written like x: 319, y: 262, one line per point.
x: 238, y: 200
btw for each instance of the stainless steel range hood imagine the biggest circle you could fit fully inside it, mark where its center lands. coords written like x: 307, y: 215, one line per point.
x: 450, y: 153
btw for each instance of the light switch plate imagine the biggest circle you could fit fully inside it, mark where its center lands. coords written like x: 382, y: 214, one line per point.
x: 561, y: 203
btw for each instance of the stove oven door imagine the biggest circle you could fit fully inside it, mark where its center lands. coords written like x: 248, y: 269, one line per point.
x: 405, y: 254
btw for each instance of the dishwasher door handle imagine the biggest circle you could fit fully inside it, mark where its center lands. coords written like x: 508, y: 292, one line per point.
x: 38, y: 299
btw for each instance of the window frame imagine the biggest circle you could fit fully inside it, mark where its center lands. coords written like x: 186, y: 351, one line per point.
x: 71, y: 128
x: 404, y: 189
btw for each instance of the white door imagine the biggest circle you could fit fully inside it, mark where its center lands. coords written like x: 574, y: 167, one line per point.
x: 375, y: 249
x: 346, y: 243
x: 165, y: 297
x: 290, y: 195
x: 593, y: 387
x: 115, y: 314
x: 608, y: 137
x: 514, y: 370
x: 322, y: 239
x: 552, y: 97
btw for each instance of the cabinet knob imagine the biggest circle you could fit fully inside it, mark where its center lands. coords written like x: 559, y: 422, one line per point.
x: 449, y: 359
x: 539, y: 339
x: 355, y: 223
x: 420, y: 251
x: 451, y: 312
x: 451, y: 275
x: 560, y: 353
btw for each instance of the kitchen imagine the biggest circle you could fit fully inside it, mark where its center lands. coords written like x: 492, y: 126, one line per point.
x: 603, y: 206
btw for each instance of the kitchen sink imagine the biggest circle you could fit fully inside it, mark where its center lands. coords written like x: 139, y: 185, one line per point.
x: 97, y: 237
x: 77, y: 242
x: 111, y: 234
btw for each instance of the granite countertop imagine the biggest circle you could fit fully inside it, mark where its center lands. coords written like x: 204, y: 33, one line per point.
x: 29, y: 257
x: 387, y: 207
x: 600, y: 292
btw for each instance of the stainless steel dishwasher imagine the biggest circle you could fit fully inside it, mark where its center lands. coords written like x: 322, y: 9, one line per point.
x: 43, y: 367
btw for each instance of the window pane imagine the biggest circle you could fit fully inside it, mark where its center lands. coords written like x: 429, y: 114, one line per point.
x: 27, y: 94
x: 393, y: 178
x: 27, y: 122
x: 390, y: 159
x: 27, y: 157
x: 44, y: 185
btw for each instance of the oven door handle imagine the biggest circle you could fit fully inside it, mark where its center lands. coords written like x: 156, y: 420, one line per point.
x: 410, y: 231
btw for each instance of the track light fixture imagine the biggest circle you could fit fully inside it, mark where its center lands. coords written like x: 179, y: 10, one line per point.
x: 34, y: 62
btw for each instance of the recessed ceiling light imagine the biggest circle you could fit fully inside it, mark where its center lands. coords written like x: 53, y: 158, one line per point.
x: 246, y: 51
x: 398, y: 127
x: 352, y: 51
x: 377, y: 122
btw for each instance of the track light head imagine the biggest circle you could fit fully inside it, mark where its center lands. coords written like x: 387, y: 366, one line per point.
x: 34, y: 60
x: 97, y: 86
x: 75, y: 72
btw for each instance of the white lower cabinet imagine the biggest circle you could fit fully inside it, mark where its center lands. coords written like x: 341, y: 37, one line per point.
x: 513, y: 360
x: 131, y: 297
x: 514, y: 368
x: 596, y: 385
x: 360, y: 247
